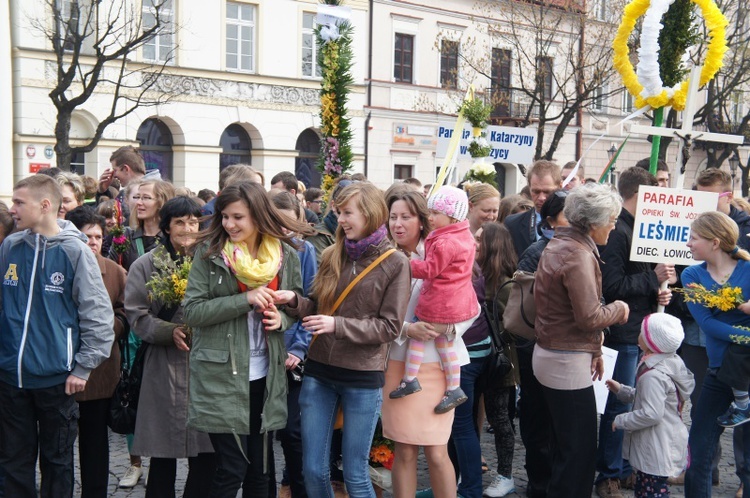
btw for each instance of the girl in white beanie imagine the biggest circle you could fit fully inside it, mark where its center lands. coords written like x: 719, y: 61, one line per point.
x: 656, y: 439
x: 447, y: 297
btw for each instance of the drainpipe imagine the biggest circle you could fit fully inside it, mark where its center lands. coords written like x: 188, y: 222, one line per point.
x: 9, y: 81
x: 579, y: 113
x: 369, y: 89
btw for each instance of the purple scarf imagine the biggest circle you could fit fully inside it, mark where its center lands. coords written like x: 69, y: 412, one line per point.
x: 356, y: 248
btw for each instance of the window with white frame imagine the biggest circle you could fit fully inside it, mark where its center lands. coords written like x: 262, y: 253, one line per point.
x: 599, y: 102
x: 545, y: 66
x: 68, y: 17
x: 403, y: 58
x: 160, y: 48
x: 600, y: 10
x: 501, y: 67
x: 736, y: 107
x: 310, y: 66
x: 628, y: 103
x: 240, y: 43
x: 449, y: 63
x: 402, y: 171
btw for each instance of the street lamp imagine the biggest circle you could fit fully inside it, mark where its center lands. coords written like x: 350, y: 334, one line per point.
x: 611, y: 153
x: 734, y: 163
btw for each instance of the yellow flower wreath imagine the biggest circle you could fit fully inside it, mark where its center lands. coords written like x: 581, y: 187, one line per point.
x: 717, y: 47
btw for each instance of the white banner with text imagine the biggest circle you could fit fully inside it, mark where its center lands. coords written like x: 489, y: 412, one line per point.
x: 509, y: 145
x: 662, y: 223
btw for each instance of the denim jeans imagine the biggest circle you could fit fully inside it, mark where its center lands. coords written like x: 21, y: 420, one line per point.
x: 609, y: 461
x: 464, y: 435
x: 704, y: 437
x: 319, y: 401
x: 291, y: 442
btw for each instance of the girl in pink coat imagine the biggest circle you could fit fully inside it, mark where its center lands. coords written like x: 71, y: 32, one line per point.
x: 447, y: 296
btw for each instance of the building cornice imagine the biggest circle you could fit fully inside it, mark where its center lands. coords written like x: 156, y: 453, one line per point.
x: 210, y: 74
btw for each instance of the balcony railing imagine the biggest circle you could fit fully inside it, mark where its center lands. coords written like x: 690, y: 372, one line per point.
x: 512, y: 105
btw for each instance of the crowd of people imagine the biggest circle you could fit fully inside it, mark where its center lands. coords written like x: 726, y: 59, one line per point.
x: 315, y: 317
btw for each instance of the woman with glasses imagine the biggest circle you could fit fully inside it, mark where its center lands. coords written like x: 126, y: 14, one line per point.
x: 161, y: 430
x: 569, y: 323
x: 147, y: 200
x: 144, y: 221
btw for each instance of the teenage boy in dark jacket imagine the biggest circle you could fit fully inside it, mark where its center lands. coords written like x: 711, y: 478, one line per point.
x: 55, y: 328
x: 637, y: 284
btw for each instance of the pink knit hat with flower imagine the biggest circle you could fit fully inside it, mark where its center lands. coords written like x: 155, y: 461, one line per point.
x: 450, y: 201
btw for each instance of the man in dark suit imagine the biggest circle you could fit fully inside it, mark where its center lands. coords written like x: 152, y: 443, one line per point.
x: 544, y: 178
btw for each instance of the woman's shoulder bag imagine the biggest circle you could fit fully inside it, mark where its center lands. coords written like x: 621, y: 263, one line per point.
x: 520, y: 311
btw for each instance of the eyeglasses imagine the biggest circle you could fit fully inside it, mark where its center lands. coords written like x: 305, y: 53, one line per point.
x: 144, y: 198
x: 562, y: 194
x: 724, y: 194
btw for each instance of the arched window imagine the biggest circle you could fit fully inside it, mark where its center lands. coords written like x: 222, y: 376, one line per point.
x: 81, y: 126
x: 156, y: 146
x: 305, y: 165
x: 235, y: 147
x: 78, y: 163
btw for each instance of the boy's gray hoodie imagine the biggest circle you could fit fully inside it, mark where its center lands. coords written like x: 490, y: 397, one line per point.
x: 656, y: 439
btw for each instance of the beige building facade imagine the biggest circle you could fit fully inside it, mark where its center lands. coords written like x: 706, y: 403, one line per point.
x: 245, y: 84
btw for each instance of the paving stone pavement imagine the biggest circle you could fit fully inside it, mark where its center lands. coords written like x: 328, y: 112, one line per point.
x: 119, y: 462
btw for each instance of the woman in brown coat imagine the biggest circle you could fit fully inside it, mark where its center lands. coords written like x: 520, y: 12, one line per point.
x: 569, y: 328
x: 161, y: 430
x: 93, y: 439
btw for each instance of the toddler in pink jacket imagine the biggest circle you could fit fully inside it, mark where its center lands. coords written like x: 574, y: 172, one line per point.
x: 447, y: 296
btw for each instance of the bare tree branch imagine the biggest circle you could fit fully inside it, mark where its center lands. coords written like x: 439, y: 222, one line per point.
x: 578, y: 47
x: 94, y: 45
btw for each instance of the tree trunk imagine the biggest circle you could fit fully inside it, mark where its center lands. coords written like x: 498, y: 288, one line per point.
x: 559, y: 133
x: 62, y: 140
x: 539, y: 139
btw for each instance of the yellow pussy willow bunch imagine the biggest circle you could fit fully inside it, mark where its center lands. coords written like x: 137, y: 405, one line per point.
x: 725, y: 298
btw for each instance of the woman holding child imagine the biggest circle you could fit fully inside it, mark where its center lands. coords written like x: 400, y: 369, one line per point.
x: 411, y: 421
x: 713, y: 239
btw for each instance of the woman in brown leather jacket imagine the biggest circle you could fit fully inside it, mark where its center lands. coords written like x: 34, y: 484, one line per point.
x: 569, y: 324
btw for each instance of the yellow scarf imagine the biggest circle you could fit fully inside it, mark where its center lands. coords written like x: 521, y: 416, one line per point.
x: 251, y: 271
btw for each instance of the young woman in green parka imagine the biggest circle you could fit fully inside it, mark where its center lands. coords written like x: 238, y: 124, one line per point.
x: 237, y: 376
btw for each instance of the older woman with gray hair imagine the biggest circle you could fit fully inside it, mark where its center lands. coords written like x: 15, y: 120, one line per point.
x: 569, y: 323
